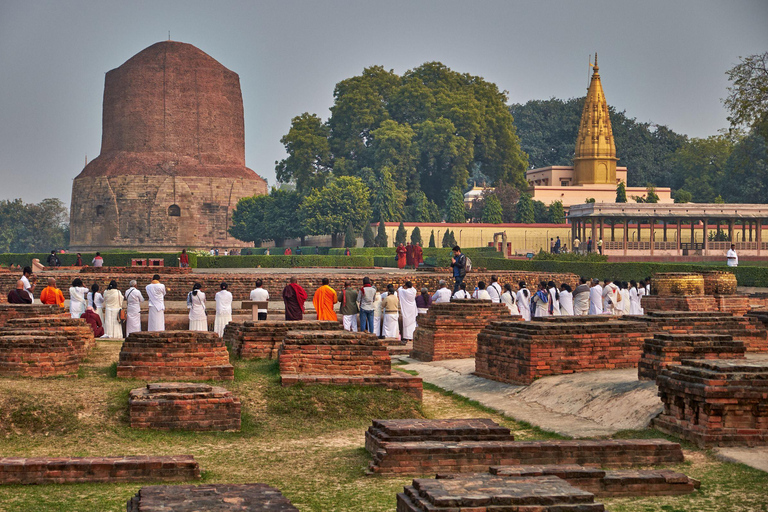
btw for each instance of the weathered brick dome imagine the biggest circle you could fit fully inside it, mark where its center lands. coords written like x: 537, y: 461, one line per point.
x: 172, y: 162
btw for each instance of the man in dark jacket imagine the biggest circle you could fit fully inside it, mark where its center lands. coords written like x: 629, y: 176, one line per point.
x: 459, y: 264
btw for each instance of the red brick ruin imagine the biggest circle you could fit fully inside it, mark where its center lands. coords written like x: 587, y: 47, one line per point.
x: 664, y: 350
x: 184, y: 406
x: 218, y: 497
x: 262, y: 340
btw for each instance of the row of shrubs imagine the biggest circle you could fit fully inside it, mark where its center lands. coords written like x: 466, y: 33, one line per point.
x: 111, y: 259
x: 280, y: 261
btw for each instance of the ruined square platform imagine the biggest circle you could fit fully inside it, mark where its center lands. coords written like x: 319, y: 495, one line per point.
x: 262, y: 340
x: 10, y: 311
x: 213, y: 497
x: 76, y: 330
x: 666, y: 349
x: 45, y: 354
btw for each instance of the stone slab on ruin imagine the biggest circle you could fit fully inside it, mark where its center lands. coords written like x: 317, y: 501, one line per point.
x: 76, y: 330
x: 609, y: 483
x: 520, y: 352
x: 10, y: 311
x: 490, y: 493
x: 66, y: 470
x: 715, y: 402
x: 41, y: 355
x: 218, y: 497
x: 424, y: 457
x: 665, y: 349
x: 262, y: 339
x: 184, y: 406
x: 449, y: 329
x: 412, y: 430
x: 174, y: 355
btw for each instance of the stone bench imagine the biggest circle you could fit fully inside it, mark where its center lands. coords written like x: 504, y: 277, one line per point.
x: 262, y: 340
x: 218, y: 497
x: 715, y: 402
x: 41, y: 355
x: 665, y: 349
x: 60, y: 470
x: 10, y: 311
x: 174, y: 355
x: 449, y: 329
x: 184, y: 406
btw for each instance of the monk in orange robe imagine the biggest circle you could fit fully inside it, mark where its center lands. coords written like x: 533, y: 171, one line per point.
x: 324, y: 299
x: 401, y: 252
x: 51, y: 294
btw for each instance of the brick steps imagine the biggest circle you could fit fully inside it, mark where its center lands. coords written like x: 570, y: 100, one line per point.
x: 666, y: 349
x: 213, y: 497
x: 75, y: 329
x: 41, y: 355
x: 262, y: 340
x: 59, y: 470
x: 10, y: 311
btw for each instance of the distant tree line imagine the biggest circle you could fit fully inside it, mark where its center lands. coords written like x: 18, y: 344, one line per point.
x: 30, y: 227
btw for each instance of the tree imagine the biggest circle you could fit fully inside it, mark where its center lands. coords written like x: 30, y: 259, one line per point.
x: 621, y: 193
x: 540, y: 212
x: 508, y: 197
x: 719, y: 200
x: 650, y: 194
x: 401, y: 235
x: 700, y: 165
x: 452, y: 239
x: 682, y: 196
x: 424, y: 210
x: 31, y: 227
x: 747, y: 99
x: 330, y: 209
x: 556, y: 212
x: 446, y: 242
x: 492, y: 213
x: 432, y: 239
x: 388, y: 201
x: 745, y: 176
x: 249, y: 219
x: 416, y: 236
x: 368, y: 238
x: 309, y: 156
x: 525, y: 211
x: 381, y: 235
x: 455, y: 209
x: 350, y: 240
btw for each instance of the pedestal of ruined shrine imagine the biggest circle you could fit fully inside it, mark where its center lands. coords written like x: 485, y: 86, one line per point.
x: 746, y: 329
x: 449, y: 329
x: 715, y: 403
x: 666, y: 349
x: 10, y: 311
x: 341, y: 358
x: 174, y: 355
x: 483, y: 492
x: 520, y: 352
x: 735, y: 304
x: 218, y: 497
x: 45, y: 354
x: 262, y: 340
x: 702, y: 291
x: 444, y: 430
x: 76, y: 330
x: 184, y: 406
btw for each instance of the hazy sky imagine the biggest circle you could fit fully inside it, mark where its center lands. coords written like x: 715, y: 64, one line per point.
x: 661, y: 61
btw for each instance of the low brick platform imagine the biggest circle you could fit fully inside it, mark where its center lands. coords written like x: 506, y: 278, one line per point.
x: 10, y: 311
x: 665, y: 349
x: 736, y: 304
x: 41, y: 355
x: 60, y: 470
x: 647, y: 482
x: 184, y: 406
x: 396, y: 347
x: 213, y: 497
x: 520, y: 352
x: 262, y: 340
x: 174, y: 355
x: 746, y: 329
x: 341, y: 358
x: 426, y: 457
x: 449, y: 329
x: 715, y: 403
x: 412, y: 430
x: 76, y: 330
x: 489, y: 493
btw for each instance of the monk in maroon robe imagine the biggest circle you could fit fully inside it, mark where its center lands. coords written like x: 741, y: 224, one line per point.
x: 19, y: 295
x: 294, y: 297
x: 418, y: 256
x: 409, y: 254
x: 93, y: 321
x: 400, y: 256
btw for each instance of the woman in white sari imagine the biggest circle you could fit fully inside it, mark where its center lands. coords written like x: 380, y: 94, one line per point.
x: 96, y: 301
x: 634, y: 299
x: 198, y: 321
x: 524, y: 301
x: 508, y: 299
x: 566, y: 300
x: 133, y: 298
x: 113, y: 304
x: 77, y: 298
x: 540, y: 300
x: 223, y: 310
x: 377, y: 313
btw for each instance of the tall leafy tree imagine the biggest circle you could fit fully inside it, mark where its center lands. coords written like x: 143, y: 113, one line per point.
x: 745, y: 177
x: 249, y: 219
x: 540, y: 212
x: 282, y: 216
x: 381, y: 235
x: 455, y: 210
x: 330, y: 209
x: 394, y: 148
x: 492, y: 213
x: 683, y: 196
x: 556, y: 212
x: 350, y: 240
x: 309, y: 157
x: 416, y: 236
x: 700, y: 165
x: 508, y: 197
x: 621, y: 193
x: 525, y: 211
x: 747, y: 99
x: 368, y: 238
x: 388, y: 201
x: 446, y: 241
x: 401, y: 235
x: 423, y: 209
x: 33, y: 227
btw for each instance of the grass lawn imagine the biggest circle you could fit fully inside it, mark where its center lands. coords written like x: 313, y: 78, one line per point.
x: 306, y: 441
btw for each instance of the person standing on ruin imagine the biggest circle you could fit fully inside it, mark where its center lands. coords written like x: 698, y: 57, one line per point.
x: 113, y: 304
x: 348, y: 307
x: 156, y: 296
x: 323, y: 300
x: 418, y: 255
x: 184, y: 259
x: 378, y: 312
x: 566, y: 300
x: 259, y: 294
x: 96, y: 301
x: 133, y: 299
x: 223, y: 309
x: 611, y: 297
x: 581, y: 298
x: 294, y: 297
x: 524, y: 301
x: 407, y: 295
x: 198, y: 320
x: 51, y: 294
x: 97, y: 260
x: 77, y: 298
x: 443, y: 294
x: 459, y: 265
x: 508, y: 299
x: 596, y: 298
x: 401, y: 256
x: 366, y: 303
x: 494, y: 290
x: 391, y: 307
x: 540, y: 300
x: 634, y: 298
x: 648, y: 283
x: 553, y: 295
x: 624, y: 293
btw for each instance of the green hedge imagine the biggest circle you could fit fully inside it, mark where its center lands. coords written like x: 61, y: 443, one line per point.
x: 428, y: 251
x: 111, y: 259
x: 283, y: 261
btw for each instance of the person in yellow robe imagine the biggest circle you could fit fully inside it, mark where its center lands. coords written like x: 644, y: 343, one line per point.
x: 324, y: 299
x: 51, y: 294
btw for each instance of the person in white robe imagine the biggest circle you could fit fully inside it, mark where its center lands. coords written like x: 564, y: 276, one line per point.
x: 259, y: 294
x: 113, y: 305
x: 508, y: 299
x: 133, y: 299
x: 198, y: 320
x: 223, y: 309
x: 647, y: 285
x: 625, y: 305
x: 391, y: 306
x: 494, y: 290
x: 378, y: 312
x: 96, y: 301
x: 408, y: 308
x: 462, y: 292
x: 596, y: 298
x: 540, y: 300
x: 640, y: 295
x: 77, y: 298
x: 443, y: 293
x: 611, y: 297
x: 554, y: 299
x: 524, y: 301
x: 481, y: 292
x: 566, y: 300
x: 581, y: 298
x: 156, y: 297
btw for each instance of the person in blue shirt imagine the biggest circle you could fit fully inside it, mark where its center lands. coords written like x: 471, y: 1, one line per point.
x: 459, y: 264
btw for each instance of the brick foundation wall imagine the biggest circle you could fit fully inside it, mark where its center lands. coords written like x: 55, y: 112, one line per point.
x: 184, y: 406
x: 397, y: 381
x: 218, y: 497
x: 735, y: 304
x: 262, y: 340
x: 449, y: 329
x: 41, y: 355
x: 76, y: 330
x: 60, y: 470
x: 520, y: 352
x: 666, y: 349
x: 10, y: 311
x: 412, y: 430
x: 715, y: 403
x: 174, y: 355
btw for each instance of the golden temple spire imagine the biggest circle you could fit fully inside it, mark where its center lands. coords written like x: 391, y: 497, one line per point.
x: 595, y: 158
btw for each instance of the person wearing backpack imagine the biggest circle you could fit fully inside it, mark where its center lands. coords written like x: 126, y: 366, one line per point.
x: 459, y: 265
